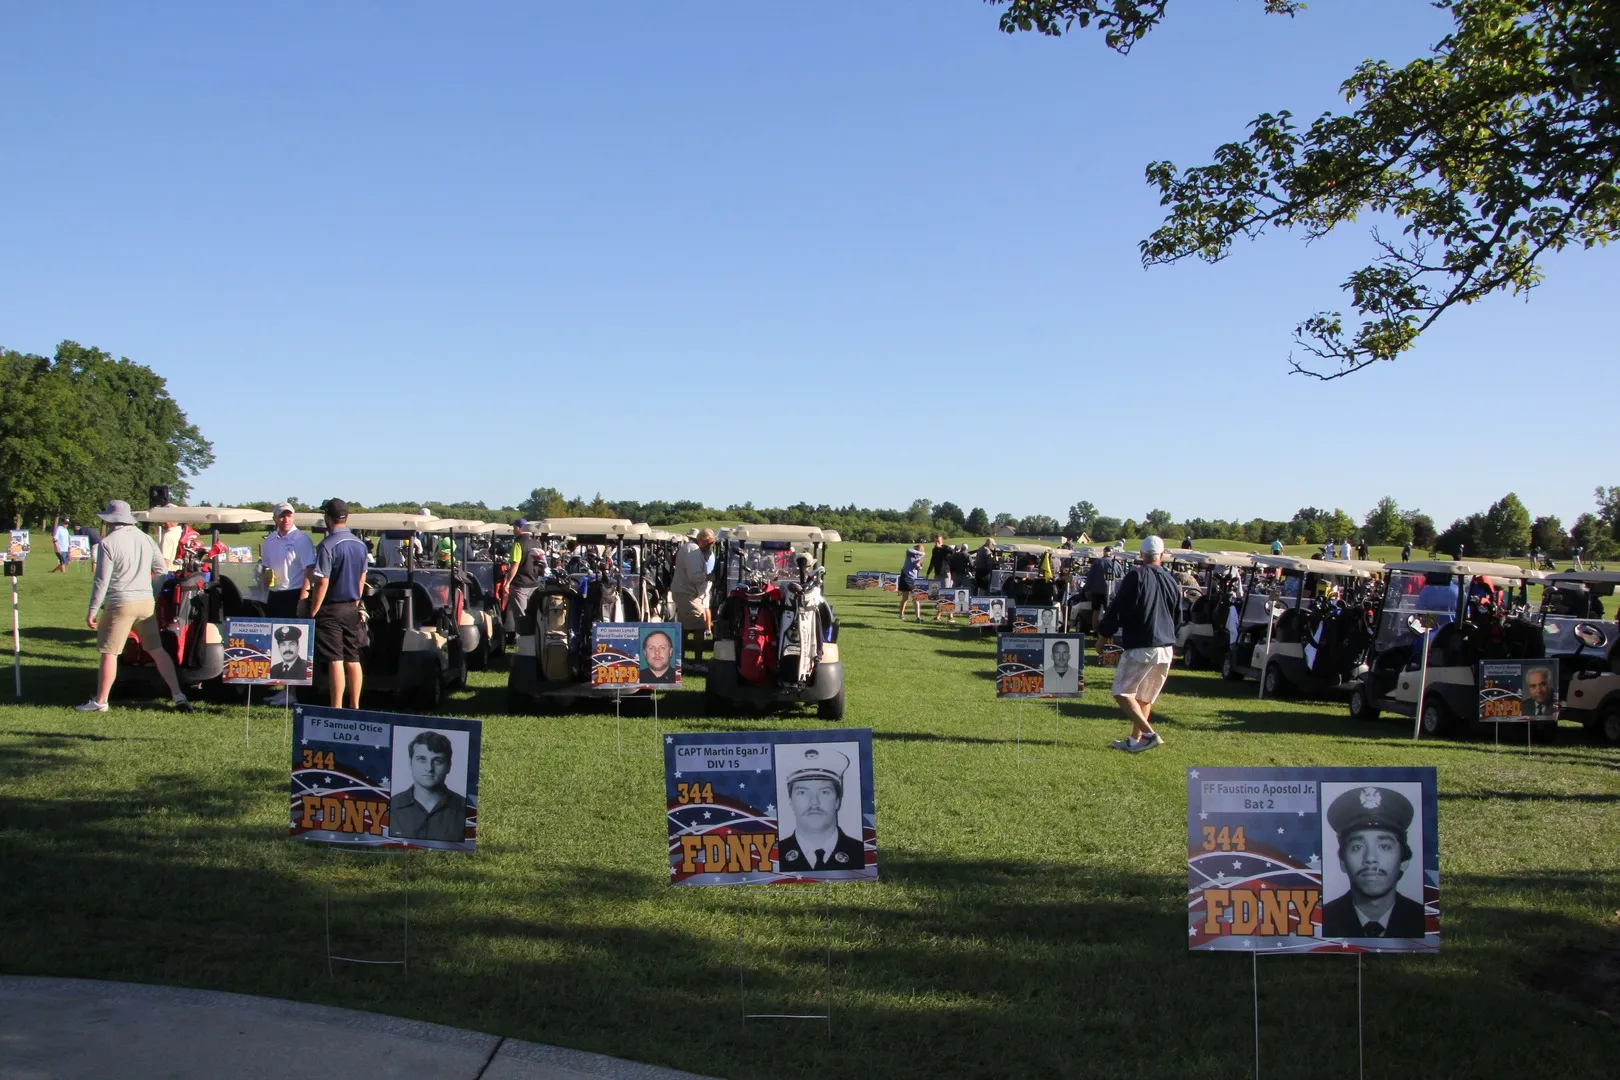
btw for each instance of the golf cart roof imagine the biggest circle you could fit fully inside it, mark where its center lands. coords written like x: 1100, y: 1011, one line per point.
x: 1027, y: 549
x: 1238, y: 559
x: 305, y: 520
x: 461, y: 525
x: 489, y: 528
x: 1585, y: 577
x: 661, y: 536
x: 392, y: 522
x: 831, y: 536
x: 583, y: 526
x: 1283, y: 562
x: 808, y: 534
x: 1337, y: 568
x: 1371, y: 566
x: 203, y: 515
x: 1467, y: 569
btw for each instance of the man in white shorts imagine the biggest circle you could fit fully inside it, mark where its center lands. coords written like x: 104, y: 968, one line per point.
x: 1142, y: 617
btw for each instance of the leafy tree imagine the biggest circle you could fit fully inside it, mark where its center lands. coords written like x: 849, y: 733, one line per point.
x: 1004, y: 519
x: 1130, y: 528
x: 1420, y: 527
x: 1038, y: 525
x: 978, y: 523
x: 1547, y: 534
x: 1506, y: 529
x: 1461, y: 536
x: 1608, y: 499
x: 81, y: 428
x: 543, y: 502
x: 1591, y: 534
x: 1106, y: 529
x: 1082, y: 516
x: 1492, y: 152
x: 1157, y: 522
x: 1384, y: 524
x: 949, y: 519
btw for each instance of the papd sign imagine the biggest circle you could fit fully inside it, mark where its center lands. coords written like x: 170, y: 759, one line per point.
x: 384, y: 779
x: 770, y: 807
x: 1313, y: 860
x: 636, y: 656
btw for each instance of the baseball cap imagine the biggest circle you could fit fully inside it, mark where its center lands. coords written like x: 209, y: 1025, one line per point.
x: 1152, y: 545
x: 520, y: 525
x: 336, y: 509
x: 284, y: 508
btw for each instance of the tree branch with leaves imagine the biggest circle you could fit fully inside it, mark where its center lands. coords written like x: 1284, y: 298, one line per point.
x: 1491, y: 153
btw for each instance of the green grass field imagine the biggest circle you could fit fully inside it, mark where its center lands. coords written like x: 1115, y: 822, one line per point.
x: 1029, y: 922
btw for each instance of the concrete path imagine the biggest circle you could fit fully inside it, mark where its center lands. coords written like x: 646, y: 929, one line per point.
x: 79, y: 1029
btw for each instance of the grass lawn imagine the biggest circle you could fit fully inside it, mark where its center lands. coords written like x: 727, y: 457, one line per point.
x: 1030, y: 920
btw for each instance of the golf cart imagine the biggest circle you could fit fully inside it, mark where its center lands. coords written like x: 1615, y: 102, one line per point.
x: 450, y: 585
x: 196, y: 597
x: 1202, y: 636
x: 1575, y: 631
x: 1464, y: 612
x: 585, y: 583
x: 1316, y: 644
x: 775, y: 637
x: 415, y: 647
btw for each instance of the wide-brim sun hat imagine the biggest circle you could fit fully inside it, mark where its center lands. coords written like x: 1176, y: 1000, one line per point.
x: 117, y: 513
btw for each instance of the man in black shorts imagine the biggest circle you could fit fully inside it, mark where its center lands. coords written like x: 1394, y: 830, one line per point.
x: 337, y: 578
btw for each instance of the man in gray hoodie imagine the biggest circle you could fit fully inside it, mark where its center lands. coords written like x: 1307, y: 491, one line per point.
x: 123, y: 582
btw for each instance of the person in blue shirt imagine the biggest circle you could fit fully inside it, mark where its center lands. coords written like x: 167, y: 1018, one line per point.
x: 338, y: 578
x: 908, y: 580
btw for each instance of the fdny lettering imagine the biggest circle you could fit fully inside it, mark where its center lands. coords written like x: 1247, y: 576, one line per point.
x: 343, y: 815
x: 727, y: 853
x: 1261, y: 912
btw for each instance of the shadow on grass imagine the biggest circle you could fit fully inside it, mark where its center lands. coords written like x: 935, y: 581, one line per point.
x: 1528, y: 796
x: 952, y: 966
x: 964, y: 740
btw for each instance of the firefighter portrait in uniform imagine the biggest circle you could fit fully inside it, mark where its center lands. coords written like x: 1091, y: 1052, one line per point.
x: 816, y: 778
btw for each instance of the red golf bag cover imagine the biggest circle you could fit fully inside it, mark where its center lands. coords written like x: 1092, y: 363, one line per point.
x: 758, y: 615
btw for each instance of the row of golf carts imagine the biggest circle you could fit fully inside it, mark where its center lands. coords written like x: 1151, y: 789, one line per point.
x: 1403, y: 638
x: 435, y: 610
x: 775, y: 636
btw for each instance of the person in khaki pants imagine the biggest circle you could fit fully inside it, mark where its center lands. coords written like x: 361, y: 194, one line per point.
x: 123, y: 581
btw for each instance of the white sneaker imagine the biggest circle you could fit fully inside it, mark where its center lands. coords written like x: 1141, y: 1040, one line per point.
x: 91, y: 706
x: 1147, y: 742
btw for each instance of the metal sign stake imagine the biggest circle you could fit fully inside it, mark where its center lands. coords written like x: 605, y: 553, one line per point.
x: 16, y: 644
x: 826, y: 992
x: 247, y: 718
x: 1254, y: 959
x: 403, y: 963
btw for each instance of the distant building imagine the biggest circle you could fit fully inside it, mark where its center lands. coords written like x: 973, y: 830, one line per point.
x: 1004, y: 530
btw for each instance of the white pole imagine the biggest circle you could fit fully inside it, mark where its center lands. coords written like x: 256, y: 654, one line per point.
x: 1423, y: 687
x: 16, y: 644
x: 1271, y: 621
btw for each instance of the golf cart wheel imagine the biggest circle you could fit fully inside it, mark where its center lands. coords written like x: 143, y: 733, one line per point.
x: 1607, y: 725
x: 1229, y: 668
x: 1361, y: 707
x: 1272, y: 682
x: 1190, y: 658
x: 430, y: 695
x: 1436, y: 717
x: 832, y: 708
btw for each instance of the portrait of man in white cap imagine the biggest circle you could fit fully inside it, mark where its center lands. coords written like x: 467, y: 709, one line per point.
x: 819, y: 829
x: 1369, y: 861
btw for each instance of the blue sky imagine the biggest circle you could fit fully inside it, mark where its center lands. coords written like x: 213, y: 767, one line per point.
x: 857, y: 251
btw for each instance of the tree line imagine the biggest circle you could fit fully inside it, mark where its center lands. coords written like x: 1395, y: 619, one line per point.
x: 1503, y: 529
x: 80, y: 427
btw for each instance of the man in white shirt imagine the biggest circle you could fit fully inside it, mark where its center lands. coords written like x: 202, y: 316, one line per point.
x: 690, y: 590
x: 60, y: 538
x: 284, y: 560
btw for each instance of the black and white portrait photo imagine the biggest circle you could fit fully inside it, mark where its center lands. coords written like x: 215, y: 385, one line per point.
x: 1372, y: 860
x: 429, y: 785
x: 1061, y: 666
x: 818, y: 807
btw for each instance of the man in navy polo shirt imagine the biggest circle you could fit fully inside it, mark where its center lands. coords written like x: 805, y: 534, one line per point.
x: 337, y: 578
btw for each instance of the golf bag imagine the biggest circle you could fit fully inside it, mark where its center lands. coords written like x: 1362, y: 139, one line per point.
x: 758, y: 617
x: 805, y: 617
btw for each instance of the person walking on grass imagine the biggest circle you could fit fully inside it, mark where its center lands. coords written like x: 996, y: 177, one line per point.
x: 1142, y: 615
x: 59, y: 537
x: 908, y: 580
x: 123, y: 581
x: 939, y: 560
